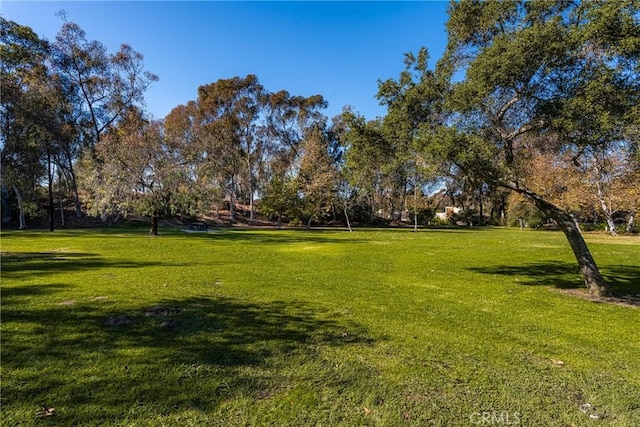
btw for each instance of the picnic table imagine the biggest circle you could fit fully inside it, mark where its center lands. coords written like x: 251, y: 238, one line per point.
x: 198, y: 226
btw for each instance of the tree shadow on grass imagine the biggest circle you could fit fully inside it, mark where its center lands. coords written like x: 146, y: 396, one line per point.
x: 289, y: 236
x: 23, y: 265
x: 194, y: 353
x: 623, y: 280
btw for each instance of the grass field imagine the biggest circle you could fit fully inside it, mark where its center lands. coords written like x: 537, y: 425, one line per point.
x: 295, y: 328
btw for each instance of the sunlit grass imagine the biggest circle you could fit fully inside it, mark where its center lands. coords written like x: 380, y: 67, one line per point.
x: 257, y: 327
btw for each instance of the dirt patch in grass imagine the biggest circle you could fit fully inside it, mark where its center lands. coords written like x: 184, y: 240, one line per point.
x: 118, y: 320
x: 626, y: 300
x: 170, y: 325
x: 159, y: 311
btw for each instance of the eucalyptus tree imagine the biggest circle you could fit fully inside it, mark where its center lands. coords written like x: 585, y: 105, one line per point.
x: 101, y: 87
x: 287, y: 119
x: 132, y: 171
x: 35, y: 111
x: 105, y: 86
x: 552, y: 71
x: 228, y: 122
x: 199, y: 191
x: 22, y: 58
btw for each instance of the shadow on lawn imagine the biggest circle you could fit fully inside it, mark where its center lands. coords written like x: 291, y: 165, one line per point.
x: 624, y: 280
x: 25, y: 264
x: 181, y: 354
x: 277, y: 236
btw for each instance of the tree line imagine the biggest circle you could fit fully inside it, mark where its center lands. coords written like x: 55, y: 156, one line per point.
x: 531, y: 115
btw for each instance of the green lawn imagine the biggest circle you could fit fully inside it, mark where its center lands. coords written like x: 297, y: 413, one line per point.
x: 297, y: 328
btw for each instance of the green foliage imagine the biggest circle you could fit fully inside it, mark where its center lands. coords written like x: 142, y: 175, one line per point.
x: 258, y: 327
x: 317, y: 177
x: 280, y: 198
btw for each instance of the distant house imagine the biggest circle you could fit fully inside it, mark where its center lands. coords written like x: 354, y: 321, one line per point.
x: 449, y: 211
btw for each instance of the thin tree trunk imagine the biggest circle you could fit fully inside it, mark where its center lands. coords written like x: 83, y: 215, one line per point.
x: 592, y: 278
x: 61, y: 195
x: 252, y: 214
x: 415, y: 209
x: 630, y: 222
x: 481, y: 206
x: 61, y: 205
x: 51, y: 206
x: 309, y: 222
x: 232, y: 202
x: 20, y: 207
x: 76, y: 196
x: 346, y: 215
x: 606, y: 210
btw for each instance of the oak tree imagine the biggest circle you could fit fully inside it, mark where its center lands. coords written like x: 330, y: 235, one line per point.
x: 568, y: 70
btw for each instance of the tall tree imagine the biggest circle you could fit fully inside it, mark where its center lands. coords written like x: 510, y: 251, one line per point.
x: 228, y: 115
x: 317, y: 177
x: 288, y: 119
x: 105, y: 85
x: 413, y: 106
x: 34, y: 114
x: 199, y: 191
x: 566, y: 69
x: 22, y: 59
x: 131, y: 171
x: 100, y: 88
x: 365, y: 153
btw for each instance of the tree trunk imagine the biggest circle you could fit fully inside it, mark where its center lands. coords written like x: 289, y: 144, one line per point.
x: 309, y: 222
x: 606, y: 210
x: 51, y: 206
x: 61, y: 196
x: 252, y: 214
x: 232, y: 202
x: 20, y: 207
x: 415, y: 210
x: 481, y: 206
x: 61, y: 205
x: 154, y: 224
x: 592, y: 278
x: 76, y: 196
x: 630, y: 222
x: 346, y: 215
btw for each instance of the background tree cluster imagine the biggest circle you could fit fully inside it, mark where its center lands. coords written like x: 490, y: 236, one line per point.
x: 58, y: 100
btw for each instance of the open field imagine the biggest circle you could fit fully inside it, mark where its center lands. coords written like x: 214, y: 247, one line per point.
x: 264, y: 327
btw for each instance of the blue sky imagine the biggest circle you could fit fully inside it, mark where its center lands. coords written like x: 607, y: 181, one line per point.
x: 336, y: 49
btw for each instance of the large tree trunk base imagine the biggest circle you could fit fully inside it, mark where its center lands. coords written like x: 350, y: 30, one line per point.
x: 593, y: 280
x: 154, y: 226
